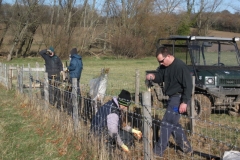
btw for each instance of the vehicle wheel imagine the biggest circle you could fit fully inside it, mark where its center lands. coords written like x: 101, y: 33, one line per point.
x: 202, y: 107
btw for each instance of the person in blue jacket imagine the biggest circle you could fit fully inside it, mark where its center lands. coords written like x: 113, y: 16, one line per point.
x: 75, y: 67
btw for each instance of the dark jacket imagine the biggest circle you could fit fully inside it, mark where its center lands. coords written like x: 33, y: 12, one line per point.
x: 176, y: 78
x: 108, y: 121
x: 53, y: 64
x: 76, y: 65
x: 99, y: 122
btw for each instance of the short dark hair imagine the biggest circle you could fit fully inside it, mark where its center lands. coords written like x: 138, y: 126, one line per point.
x: 164, y: 51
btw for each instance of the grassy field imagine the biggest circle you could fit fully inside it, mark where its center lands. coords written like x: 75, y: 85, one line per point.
x: 25, y: 136
x: 121, y: 74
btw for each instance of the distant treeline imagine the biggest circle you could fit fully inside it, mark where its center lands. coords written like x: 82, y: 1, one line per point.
x: 128, y: 28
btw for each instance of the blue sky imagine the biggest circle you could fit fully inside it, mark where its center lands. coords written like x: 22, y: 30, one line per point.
x: 228, y: 5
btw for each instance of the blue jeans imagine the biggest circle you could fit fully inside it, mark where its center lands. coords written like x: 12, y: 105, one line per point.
x: 170, y: 126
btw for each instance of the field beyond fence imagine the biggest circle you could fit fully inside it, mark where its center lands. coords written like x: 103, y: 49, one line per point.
x: 210, y: 138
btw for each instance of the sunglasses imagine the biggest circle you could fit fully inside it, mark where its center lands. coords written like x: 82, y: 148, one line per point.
x: 162, y: 60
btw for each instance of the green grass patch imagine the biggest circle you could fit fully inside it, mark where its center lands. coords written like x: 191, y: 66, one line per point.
x: 25, y: 137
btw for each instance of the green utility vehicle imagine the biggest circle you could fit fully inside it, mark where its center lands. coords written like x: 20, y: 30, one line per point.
x: 215, y: 64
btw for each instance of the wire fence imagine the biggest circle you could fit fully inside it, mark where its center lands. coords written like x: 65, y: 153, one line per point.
x: 209, y: 137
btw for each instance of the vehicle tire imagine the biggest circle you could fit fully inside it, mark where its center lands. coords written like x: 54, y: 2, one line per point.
x: 202, y: 107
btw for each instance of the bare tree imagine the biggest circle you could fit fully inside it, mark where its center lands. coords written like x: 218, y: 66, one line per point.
x: 24, y: 26
x: 168, y: 6
x: 205, y: 13
x: 5, y: 20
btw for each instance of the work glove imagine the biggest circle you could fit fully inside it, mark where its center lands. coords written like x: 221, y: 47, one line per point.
x: 125, y: 148
x: 137, y: 133
x: 49, y: 52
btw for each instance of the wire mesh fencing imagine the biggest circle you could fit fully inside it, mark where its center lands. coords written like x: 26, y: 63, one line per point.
x: 209, y: 138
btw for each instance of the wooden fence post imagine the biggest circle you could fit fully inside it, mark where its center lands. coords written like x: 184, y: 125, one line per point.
x: 137, y: 88
x: 17, y: 86
x: 1, y: 71
x: 147, y: 125
x: 37, y: 75
x: 192, y: 108
x: 46, y: 90
x: 30, y: 81
x: 20, y: 79
x: 10, y: 77
x: 7, y: 77
x: 75, y: 105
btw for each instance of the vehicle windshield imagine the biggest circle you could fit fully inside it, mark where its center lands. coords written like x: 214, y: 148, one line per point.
x: 208, y: 54
x: 215, y: 54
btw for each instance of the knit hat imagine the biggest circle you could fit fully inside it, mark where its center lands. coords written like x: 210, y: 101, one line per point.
x: 51, y: 48
x: 73, y: 51
x: 124, y: 98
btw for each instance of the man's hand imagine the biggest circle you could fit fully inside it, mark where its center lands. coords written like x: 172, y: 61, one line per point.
x: 137, y: 133
x: 50, y: 52
x: 183, y: 108
x: 125, y: 148
x: 150, y: 76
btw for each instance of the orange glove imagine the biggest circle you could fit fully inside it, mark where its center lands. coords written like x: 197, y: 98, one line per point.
x: 137, y: 133
x: 125, y: 148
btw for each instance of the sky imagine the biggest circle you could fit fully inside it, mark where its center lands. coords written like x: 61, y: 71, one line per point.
x: 230, y: 5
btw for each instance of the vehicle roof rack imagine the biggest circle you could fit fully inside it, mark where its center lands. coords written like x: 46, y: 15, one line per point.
x: 193, y: 38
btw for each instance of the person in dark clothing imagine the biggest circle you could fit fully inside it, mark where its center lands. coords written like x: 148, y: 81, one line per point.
x: 75, y: 67
x: 53, y: 63
x: 178, y: 86
x: 109, y: 122
x: 53, y: 66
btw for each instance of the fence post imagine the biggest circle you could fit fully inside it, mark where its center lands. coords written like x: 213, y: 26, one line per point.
x: 75, y: 104
x: 1, y: 72
x: 137, y: 88
x: 17, y: 86
x: 20, y: 80
x: 147, y: 125
x: 10, y: 77
x: 37, y: 76
x: 46, y: 90
x: 192, y: 108
x: 30, y: 80
x: 7, y: 77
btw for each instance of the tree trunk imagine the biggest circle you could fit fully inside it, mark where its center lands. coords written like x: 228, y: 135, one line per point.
x: 4, y: 33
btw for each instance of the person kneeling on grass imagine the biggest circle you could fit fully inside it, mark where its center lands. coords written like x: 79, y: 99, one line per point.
x: 109, y: 122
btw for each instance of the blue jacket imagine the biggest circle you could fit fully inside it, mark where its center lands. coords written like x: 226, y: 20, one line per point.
x: 76, y: 66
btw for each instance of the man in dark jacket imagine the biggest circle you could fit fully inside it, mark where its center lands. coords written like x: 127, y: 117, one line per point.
x: 178, y: 86
x: 53, y: 63
x: 53, y: 66
x: 75, y: 67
